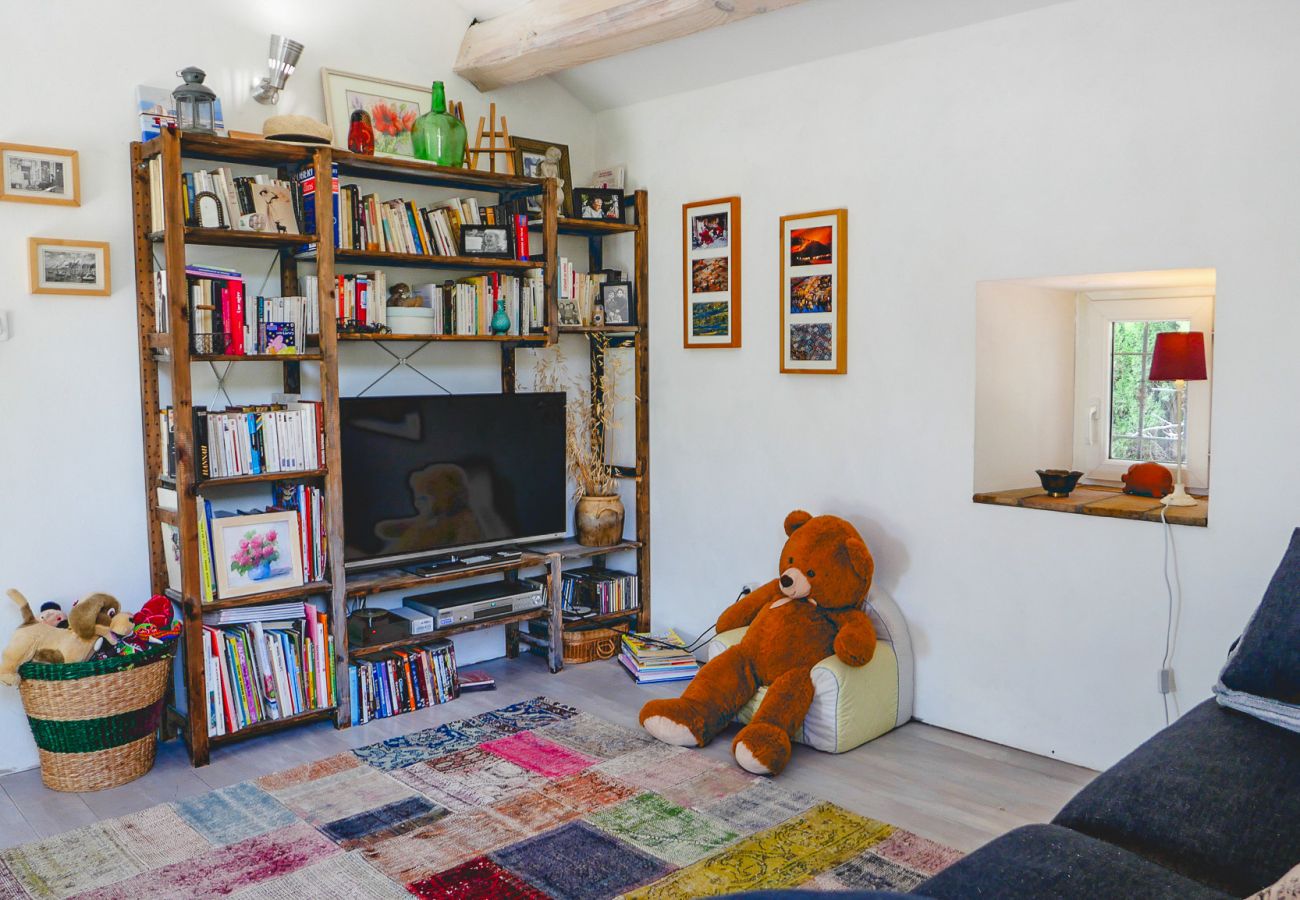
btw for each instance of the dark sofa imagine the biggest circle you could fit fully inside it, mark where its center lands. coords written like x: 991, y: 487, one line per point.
x: 1207, y: 808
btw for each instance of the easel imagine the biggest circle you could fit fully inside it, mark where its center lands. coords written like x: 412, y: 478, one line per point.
x: 493, y: 149
x: 457, y: 109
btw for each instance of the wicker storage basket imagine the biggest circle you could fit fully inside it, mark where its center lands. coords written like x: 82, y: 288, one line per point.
x: 96, y: 723
x: 593, y: 644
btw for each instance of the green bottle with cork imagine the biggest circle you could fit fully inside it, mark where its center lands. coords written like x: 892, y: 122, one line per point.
x: 438, y: 136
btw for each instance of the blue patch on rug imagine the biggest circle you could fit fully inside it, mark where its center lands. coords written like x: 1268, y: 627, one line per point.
x: 526, y: 714
x: 403, y: 815
x: 409, y: 749
x: 231, y: 814
x: 579, y: 862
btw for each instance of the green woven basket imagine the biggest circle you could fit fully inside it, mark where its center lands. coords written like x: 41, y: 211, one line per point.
x: 96, y: 722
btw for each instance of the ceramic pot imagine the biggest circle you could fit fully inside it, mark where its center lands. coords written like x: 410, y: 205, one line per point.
x: 1058, y: 482
x: 598, y: 521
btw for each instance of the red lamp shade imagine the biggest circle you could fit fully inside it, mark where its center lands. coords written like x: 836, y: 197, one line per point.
x: 1178, y: 355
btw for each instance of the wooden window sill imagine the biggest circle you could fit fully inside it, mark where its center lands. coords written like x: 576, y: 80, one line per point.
x: 1095, y: 500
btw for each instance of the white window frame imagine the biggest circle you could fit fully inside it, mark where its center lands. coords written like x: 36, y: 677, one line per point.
x: 1096, y: 313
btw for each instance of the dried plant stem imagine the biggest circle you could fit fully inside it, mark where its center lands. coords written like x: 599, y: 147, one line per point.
x: 589, y: 418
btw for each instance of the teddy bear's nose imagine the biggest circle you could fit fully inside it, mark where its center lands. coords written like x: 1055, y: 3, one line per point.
x: 786, y: 581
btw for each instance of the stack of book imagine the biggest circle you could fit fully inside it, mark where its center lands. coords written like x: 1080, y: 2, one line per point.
x: 224, y: 320
x: 467, y: 306
x: 596, y: 589
x: 649, y: 663
x: 219, y: 199
x: 367, y: 222
x: 308, y: 502
x: 402, y: 681
x: 579, y: 288
x: 266, y: 663
x: 249, y: 440
x: 362, y: 298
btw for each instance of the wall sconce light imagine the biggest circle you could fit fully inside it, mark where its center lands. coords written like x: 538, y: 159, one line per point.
x: 282, y: 58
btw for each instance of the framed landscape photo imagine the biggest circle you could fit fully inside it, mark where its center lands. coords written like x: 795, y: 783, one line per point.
x: 813, y: 292
x: 545, y: 159
x: 711, y: 273
x: 256, y: 553
x: 39, y: 175
x: 74, y: 268
x: 392, y: 105
x: 485, y: 240
x: 604, y: 204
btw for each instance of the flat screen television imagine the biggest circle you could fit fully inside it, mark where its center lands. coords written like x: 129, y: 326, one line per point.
x: 434, y: 476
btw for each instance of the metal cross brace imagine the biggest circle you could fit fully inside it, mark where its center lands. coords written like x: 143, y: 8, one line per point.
x: 400, y: 363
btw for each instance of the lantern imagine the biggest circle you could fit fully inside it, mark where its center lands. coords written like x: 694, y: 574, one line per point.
x: 195, y: 103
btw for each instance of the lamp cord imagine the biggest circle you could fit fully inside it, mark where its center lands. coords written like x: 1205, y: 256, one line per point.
x: 1173, y: 609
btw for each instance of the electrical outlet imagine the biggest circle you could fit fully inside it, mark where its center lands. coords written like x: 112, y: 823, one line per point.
x: 1165, y: 681
x: 4, y: 324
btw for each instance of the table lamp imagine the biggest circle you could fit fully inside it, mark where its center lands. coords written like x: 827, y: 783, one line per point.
x: 1179, y: 357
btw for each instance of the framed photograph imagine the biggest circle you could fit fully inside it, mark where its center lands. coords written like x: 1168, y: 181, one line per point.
x: 814, y: 291
x: 393, y: 109
x: 616, y: 297
x: 545, y: 159
x: 256, y: 553
x: 75, y: 268
x: 39, y: 175
x: 485, y: 240
x: 599, y: 203
x: 711, y: 273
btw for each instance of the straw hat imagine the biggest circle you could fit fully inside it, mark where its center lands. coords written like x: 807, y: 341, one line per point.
x: 296, y: 130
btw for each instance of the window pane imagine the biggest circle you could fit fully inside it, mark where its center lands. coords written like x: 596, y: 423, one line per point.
x: 1125, y: 395
x: 1127, y: 337
x: 1163, y: 451
x: 1157, y: 327
x: 1124, y: 448
x: 1160, y: 411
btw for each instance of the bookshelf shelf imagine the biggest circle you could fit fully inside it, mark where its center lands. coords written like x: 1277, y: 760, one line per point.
x: 516, y: 620
x: 167, y: 380
x: 571, y: 549
x: 428, y: 261
x: 226, y: 237
x: 603, y: 618
x: 599, y: 329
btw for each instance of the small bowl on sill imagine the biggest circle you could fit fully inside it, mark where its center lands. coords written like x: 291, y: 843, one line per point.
x: 1058, y: 482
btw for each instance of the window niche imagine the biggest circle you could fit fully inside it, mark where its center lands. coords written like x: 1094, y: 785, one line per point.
x: 1060, y: 383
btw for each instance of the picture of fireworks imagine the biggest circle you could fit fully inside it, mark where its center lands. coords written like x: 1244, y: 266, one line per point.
x: 811, y: 246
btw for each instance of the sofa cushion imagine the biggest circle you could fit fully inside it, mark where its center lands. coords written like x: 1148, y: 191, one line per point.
x: 1262, y: 677
x: 1047, y: 861
x: 1214, y: 796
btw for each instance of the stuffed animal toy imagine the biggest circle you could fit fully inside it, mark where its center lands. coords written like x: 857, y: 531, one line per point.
x: 97, y: 616
x: 52, y: 614
x: 813, y: 609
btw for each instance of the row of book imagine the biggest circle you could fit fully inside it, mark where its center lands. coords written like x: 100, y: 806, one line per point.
x: 224, y: 320
x: 582, y: 289
x: 218, y: 198
x: 367, y: 222
x: 467, y: 305
x: 266, y: 663
x: 663, y: 659
x: 249, y: 440
x: 362, y: 298
x: 596, y: 589
x: 403, y: 681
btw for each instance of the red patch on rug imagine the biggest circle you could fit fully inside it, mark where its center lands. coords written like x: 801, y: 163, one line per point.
x: 478, y: 879
x: 539, y: 755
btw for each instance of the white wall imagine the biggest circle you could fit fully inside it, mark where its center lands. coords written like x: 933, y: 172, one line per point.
x: 1024, y: 383
x: 1094, y: 136
x: 71, y: 479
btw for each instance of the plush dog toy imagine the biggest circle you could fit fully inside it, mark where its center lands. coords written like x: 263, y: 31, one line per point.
x: 97, y: 616
x: 795, y: 621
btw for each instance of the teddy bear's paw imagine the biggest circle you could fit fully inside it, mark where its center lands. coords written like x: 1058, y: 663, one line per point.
x: 762, y: 749
x: 670, y: 732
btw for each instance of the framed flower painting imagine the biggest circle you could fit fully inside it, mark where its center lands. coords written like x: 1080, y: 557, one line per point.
x: 393, y: 109
x: 256, y: 553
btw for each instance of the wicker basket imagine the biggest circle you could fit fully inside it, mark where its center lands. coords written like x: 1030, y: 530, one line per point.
x: 96, y: 723
x: 593, y: 644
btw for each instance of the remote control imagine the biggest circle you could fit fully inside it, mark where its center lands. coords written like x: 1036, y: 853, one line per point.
x: 475, y: 560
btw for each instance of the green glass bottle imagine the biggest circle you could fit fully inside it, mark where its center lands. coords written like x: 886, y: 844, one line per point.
x: 437, y: 136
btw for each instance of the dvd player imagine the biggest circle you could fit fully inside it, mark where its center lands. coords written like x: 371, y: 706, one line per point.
x: 479, y: 602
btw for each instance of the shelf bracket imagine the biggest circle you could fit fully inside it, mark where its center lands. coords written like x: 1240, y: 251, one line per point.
x: 401, y: 362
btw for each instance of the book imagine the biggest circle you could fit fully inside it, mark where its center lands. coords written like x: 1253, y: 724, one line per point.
x: 667, y: 659
x: 402, y: 681
x: 476, y: 680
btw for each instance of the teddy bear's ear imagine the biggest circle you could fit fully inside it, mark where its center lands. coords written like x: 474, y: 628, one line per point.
x: 860, y: 558
x: 795, y: 519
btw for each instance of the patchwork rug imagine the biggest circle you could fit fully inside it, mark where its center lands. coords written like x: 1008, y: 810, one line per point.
x: 535, y: 800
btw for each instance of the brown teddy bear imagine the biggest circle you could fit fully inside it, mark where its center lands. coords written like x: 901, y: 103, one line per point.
x: 97, y: 616
x: 812, y: 610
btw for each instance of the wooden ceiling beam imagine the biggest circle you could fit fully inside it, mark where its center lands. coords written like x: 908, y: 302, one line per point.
x: 545, y: 36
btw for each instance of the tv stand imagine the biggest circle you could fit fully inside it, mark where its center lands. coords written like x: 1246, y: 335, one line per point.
x: 468, y: 561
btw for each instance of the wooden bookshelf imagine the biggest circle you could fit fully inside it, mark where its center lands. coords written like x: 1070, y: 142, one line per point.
x: 172, y: 349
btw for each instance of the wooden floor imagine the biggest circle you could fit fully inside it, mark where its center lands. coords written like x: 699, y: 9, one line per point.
x: 949, y: 787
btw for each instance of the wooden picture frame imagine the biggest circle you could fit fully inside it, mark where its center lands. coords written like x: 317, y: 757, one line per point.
x: 57, y: 266
x: 814, y: 292
x: 31, y: 174
x: 285, y: 571
x: 530, y: 160
x: 393, y: 107
x: 711, y: 270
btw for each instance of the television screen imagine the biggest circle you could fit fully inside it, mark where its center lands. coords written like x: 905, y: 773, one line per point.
x: 428, y: 476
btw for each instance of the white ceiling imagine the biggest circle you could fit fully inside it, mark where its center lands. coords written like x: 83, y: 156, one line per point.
x: 776, y: 40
